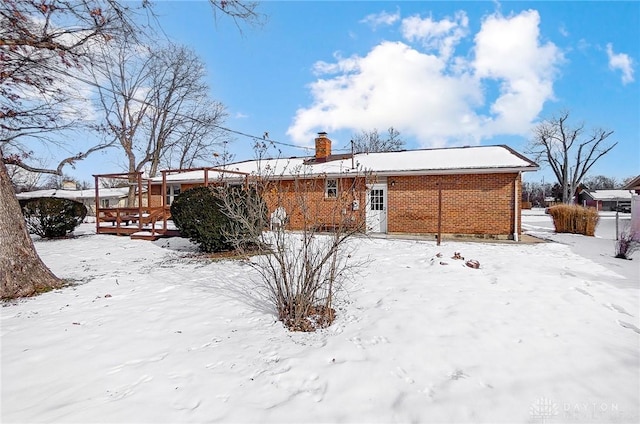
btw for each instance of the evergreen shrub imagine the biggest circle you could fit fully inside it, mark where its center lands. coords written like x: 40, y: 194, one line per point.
x: 199, y: 214
x: 52, y: 217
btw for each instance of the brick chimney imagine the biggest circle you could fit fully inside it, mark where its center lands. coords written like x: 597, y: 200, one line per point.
x: 323, y: 147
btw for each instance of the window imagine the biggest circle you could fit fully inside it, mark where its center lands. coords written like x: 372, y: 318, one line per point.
x: 376, y: 198
x: 104, y: 203
x: 172, y: 192
x: 331, y: 188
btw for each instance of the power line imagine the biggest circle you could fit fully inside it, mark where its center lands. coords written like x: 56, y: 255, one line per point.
x: 178, y: 114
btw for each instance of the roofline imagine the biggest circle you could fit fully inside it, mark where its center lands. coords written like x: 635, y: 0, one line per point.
x: 459, y: 171
x: 347, y: 174
x: 634, y: 184
x: 523, y: 157
x: 347, y: 155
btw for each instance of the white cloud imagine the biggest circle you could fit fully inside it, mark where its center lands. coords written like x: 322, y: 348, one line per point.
x: 621, y: 62
x: 394, y: 85
x: 563, y: 30
x: 428, y: 92
x: 383, y: 18
x: 441, y: 35
x: 508, y: 50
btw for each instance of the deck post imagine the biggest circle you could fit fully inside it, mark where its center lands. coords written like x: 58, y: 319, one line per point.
x: 97, y: 180
x: 139, y: 175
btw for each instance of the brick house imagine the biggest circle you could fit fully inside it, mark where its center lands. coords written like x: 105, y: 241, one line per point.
x: 463, y: 191
x: 605, y: 200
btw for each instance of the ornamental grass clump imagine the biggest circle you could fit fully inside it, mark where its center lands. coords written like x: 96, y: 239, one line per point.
x: 574, y: 219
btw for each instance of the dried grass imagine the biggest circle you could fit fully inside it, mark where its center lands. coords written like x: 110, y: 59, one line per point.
x: 574, y: 219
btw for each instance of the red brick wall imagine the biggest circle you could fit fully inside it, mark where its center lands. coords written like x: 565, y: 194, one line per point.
x: 475, y: 204
x: 478, y: 204
x: 306, y: 205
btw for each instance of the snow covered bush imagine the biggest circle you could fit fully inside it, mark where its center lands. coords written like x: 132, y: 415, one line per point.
x: 574, y: 219
x: 198, y: 214
x: 52, y: 217
x: 627, y: 244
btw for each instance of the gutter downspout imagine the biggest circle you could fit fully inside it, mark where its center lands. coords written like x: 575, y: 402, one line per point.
x: 515, y: 207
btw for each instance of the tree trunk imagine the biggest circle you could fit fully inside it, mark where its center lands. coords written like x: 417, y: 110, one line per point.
x: 22, y: 272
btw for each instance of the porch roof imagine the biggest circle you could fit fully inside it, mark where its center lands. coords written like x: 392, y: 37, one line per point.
x: 478, y: 159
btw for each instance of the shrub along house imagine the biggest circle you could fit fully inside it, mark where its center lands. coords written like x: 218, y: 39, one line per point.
x: 464, y: 191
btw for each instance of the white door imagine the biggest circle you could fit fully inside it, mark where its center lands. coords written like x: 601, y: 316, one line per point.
x: 377, y: 209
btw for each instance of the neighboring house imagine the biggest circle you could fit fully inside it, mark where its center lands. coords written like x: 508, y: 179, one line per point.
x: 109, y: 197
x: 605, y: 200
x: 465, y: 191
x: 634, y: 187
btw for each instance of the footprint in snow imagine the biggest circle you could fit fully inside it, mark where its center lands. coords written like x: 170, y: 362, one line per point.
x: 617, y: 308
x: 584, y: 292
x: 629, y: 326
x: 186, y: 404
x: 402, y: 374
x: 457, y: 375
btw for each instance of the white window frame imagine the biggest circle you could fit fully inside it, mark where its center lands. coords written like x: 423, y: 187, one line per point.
x: 172, y: 192
x: 331, y: 188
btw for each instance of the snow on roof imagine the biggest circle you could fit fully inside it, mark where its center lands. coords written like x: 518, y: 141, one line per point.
x: 428, y: 161
x: 634, y: 184
x: 604, y: 195
x: 75, y: 194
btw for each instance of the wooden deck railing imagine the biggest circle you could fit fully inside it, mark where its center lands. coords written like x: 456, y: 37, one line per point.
x: 131, y: 220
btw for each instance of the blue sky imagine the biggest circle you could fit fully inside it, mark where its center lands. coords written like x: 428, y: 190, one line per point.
x: 442, y: 73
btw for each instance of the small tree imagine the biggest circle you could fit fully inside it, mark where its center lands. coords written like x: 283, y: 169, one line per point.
x: 51, y: 217
x: 299, y: 271
x: 372, y: 141
x: 627, y: 244
x: 568, y: 151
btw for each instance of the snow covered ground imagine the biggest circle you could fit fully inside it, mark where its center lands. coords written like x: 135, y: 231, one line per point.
x: 543, y: 332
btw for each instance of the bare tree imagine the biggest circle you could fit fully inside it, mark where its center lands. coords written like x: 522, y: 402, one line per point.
x: 42, y: 44
x: 197, y: 140
x: 156, y: 106
x: 22, y: 179
x: 372, y: 141
x: 568, y: 150
x: 113, y: 183
x: 242, y: 12
x: 600, y: 182
x: 182, y: 119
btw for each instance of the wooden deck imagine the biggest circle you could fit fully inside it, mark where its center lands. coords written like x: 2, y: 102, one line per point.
x: 139, y: 223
